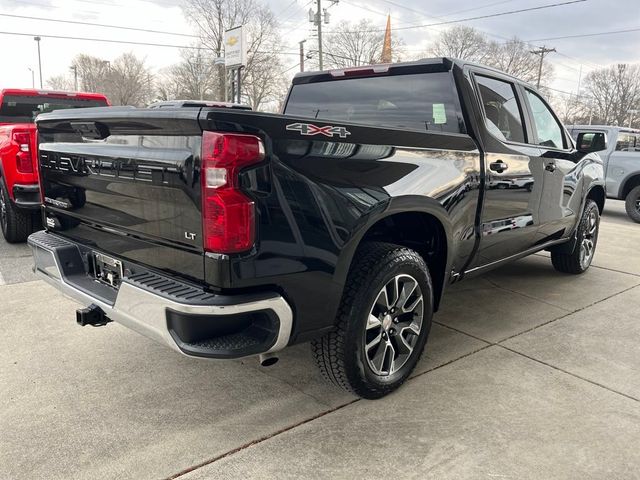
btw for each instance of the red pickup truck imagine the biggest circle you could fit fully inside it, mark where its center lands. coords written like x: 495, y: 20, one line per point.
x: 19, y: 191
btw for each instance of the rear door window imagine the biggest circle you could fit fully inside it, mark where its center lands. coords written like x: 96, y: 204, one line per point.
x: 628, y: 142
x: 423, y: 102
x: 548, y: 129
x: 503, y: 115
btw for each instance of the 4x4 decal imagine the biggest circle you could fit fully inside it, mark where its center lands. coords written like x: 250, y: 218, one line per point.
x: 309, y: 129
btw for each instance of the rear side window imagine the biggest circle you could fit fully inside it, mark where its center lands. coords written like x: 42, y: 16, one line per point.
x: 628, y: 142
x: 548, y: 128
x: 503, y: 115
x: 423, y: 102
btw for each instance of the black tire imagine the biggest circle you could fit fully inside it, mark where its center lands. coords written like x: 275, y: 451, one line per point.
x: 579, y: 260
x: 632, y: 204
x: 16, y: 224
x: 341, y: 354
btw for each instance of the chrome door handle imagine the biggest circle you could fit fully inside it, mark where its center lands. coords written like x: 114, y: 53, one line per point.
x: 498, y: 166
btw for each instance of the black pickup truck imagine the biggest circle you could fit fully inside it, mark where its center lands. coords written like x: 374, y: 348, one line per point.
x: 227, y: 233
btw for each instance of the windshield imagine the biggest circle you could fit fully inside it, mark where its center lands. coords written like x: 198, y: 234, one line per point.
x: 24, y: 109
x: 423, y: 102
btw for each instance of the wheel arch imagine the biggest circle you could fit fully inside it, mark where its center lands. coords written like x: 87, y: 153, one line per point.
x: 416, y: 222
x: 597, y: 194
x: 628, y: 184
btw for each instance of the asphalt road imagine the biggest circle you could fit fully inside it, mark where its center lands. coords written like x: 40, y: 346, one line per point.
x: 528, y: 374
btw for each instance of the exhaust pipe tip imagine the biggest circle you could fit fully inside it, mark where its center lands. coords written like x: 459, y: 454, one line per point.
x: 267, y: 359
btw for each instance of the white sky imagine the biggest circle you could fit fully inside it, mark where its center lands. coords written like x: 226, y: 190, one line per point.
x: 19, y: 52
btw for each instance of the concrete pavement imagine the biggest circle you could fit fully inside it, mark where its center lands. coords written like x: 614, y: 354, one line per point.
x: 528, y: 374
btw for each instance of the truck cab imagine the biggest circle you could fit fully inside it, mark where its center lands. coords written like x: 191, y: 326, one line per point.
x: 619, y: 148
x: 19, y: 191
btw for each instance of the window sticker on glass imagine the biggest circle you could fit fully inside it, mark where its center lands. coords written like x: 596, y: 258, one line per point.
x: 439, y: 114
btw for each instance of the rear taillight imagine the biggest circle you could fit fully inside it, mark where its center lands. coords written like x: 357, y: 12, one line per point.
x: 24, y: 160
x: 228, y: 215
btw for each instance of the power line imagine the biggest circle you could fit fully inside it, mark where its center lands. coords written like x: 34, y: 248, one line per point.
x: 480, y: 7
x: 587, y: 35
x: 479, y: 17
x: 75, y: 22
x: 105, y: 40
x: 126, y: 42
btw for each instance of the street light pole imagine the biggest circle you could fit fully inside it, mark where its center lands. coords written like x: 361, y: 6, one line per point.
x: 33, y: 77
x: 75, y: 76
x: 302, y: 55
x: 37, y: 39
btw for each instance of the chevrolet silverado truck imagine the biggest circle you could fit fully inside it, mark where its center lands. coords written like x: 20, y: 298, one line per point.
x: 619, y: 149
x: 19, y: 191
x: 226, y: 233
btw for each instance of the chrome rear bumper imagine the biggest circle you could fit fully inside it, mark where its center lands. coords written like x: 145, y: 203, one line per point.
x: 148, y: 303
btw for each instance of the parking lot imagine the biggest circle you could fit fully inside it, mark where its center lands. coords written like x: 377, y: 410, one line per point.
x: 528, y: 374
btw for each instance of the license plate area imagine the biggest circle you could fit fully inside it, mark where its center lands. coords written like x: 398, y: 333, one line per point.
x: 107, y: 270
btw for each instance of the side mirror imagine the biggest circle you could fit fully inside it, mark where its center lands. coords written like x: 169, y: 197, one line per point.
x: 588, y: 142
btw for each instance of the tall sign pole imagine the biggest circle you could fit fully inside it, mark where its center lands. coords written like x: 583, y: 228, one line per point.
x: 235, y: 58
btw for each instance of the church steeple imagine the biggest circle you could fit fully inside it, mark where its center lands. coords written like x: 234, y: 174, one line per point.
x: 386, y: 46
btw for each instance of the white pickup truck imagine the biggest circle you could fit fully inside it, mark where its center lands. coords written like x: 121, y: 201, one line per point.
x: 619, y: 148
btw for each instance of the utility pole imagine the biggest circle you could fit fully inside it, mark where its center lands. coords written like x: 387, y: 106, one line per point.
x: 75, y: 76
x: 302, y: 55
x: 319, y: 17
x: 37, y: 39
x: 542, y: 51
x: 318, y: 22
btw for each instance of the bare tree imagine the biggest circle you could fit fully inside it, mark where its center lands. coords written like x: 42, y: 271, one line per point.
x: 213, y: 17
x: 195, y: 77
x: 264, y: 84
x: 352, y: 45
x: 168, y: 85
x: 60, y: 82
x: 262, y: 77
x: 462, y: 42
x: 614, y: 91
x: 514, y: 57
x: 126, y: 80
x: 572, y: 108
x: 130, y: 81
x: 93, y: 72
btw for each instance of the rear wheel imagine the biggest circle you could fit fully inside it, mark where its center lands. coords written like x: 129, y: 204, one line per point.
x: 383, y: 322
x: 632, y: 204
x: 16, y: 224
x: 580, y: 259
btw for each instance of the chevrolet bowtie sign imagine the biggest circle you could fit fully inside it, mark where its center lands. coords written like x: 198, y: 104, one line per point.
x: 235, y: 50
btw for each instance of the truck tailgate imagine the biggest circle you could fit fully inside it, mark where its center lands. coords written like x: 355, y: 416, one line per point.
x: 127, y: 186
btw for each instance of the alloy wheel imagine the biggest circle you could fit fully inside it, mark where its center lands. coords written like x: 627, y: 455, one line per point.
x: 587, y: 247
x: 394, y: 325
x: 3, y: 211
